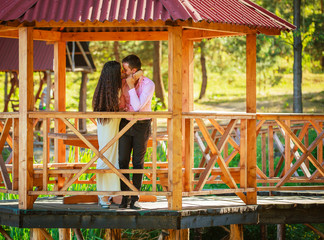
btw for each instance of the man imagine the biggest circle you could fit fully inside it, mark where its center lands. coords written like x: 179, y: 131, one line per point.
x: 136, y: 97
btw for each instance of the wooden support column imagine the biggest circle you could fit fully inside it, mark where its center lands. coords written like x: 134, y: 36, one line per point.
x: 175, y: 124
x: 182, y: 234
x: 59, y: 96
x: 36, y: 234
x: 26, y: 103
x: 113, y: 234
x: 243, y: 154
x: 287, y: 150
x: 187, y: 106
x: 15, y: 156
x: 236, y: 232
x: 251, y: 108
x: 65, y: 234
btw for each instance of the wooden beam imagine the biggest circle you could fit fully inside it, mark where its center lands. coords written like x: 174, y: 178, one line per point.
x: 37, y: 35
x: 60, y: 98
x: 4, y: 174
x: 115, y: 36
x: 112, y: 234
x: 65, y: 233
x: 26, y: 103
x: 251, y: 108
x: 4, y: 137
x: 193, y: 34
x: 175, y: 128
x: 5, y: 234
x: 15, y: 157
x: 187, y: 105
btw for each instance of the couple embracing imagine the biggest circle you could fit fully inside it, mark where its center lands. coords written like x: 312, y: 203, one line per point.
x: 122, y: 89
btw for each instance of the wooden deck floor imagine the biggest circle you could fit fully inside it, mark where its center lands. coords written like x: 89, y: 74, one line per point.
x: 197, y: 212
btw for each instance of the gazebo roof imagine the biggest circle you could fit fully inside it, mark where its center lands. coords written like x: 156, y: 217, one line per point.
x: 237, y: 12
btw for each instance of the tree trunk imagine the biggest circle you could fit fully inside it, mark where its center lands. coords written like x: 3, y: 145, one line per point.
x: 281, y: 232
x: 116, y: 51
x: 83, y: 101
x: 203, y: 70
x: 298, y: 104
x: 159, y: 87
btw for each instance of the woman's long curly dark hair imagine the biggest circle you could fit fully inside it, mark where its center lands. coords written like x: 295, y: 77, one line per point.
x: 105, y: 98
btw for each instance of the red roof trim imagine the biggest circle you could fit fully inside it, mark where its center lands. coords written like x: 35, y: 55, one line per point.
x: 269, y: 14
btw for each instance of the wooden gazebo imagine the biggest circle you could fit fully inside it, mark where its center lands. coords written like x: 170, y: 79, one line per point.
x: 180, y: 23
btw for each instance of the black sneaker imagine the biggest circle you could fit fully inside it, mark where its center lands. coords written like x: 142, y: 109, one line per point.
x: 135, y: 205
x: 124, y: 203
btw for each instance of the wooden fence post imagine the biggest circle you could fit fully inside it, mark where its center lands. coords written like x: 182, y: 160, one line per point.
x: 26, y: 103
x: 175, y: 126
x: 251, y: 108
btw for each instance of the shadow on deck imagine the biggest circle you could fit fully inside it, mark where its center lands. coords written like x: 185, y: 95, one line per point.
x: 206, y: 211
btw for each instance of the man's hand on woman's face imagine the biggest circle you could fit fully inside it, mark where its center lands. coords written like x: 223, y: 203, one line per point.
x: 130, y: 81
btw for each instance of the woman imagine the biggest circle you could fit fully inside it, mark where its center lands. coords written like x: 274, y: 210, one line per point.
x: 106, y: 99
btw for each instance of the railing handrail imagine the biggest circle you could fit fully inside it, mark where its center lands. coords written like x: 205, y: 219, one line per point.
x: 289, y: 116
x: 4, y: 115
x: 218, y: 115
x: 70, y: 114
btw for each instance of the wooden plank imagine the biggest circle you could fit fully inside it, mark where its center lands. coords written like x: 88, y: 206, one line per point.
x: 217, y: 158
x: 302, y: 147
x: 243, y: 154
x: 263, y: 153
x: 5, y: 132
x: 80, y: 199
x: 154, y: 155
x: 222, y: 130
x: 305, y: 155
x: 45, y: 152
x: 175, y: 97
x: 82, y: 115
x: 270, y: 151
x: 4, y: 174
x: 194, y: 34
x: 113, y: 234
x: 218, y: 115
x: 64, y: 233
x: 315, y: 230
x: 320, y: 147
x: 5, y: 234
x: 99, y: 154
x: 236, y: 232
x: 187, y: 105
x: 289, y: 116
x: 36, y: 234
x: 89, y: 193
x: 37, y: 35
x: 45, y: 234
x: 26, y: 103
x: 15, y: 156
x: 287, y: 150
x: 115, y: 36
x: 251, y: 108
x: 60, y: 98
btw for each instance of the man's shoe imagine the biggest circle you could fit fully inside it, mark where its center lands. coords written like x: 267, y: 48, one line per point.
x: 124, y: 203
x: 135, y: 205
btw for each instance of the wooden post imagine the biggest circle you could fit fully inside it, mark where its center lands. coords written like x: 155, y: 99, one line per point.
x: 36, y: 234
x: 320, y: 146
x: 26, y: 103
x: 59, y: 96
x: 64, y: 233
x: 182, y: 234
x: 175, y: 124
x: 281, y: 232
x: 236, y: 232
x: 15, y: 156
x: 113, y: 234
x: 187, y: 106
x: 243, y: 154
x: 287, y: 150
x: 251, y: 108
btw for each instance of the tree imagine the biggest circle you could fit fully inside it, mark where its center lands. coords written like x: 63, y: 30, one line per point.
x: 203, y: 70
x: 159, y: 87
x: 298, y: 47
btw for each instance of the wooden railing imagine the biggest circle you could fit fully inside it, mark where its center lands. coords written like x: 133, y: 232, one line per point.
x: 220, y: 137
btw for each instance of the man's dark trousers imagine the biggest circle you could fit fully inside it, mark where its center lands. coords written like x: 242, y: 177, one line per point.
x: 134, y: 139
